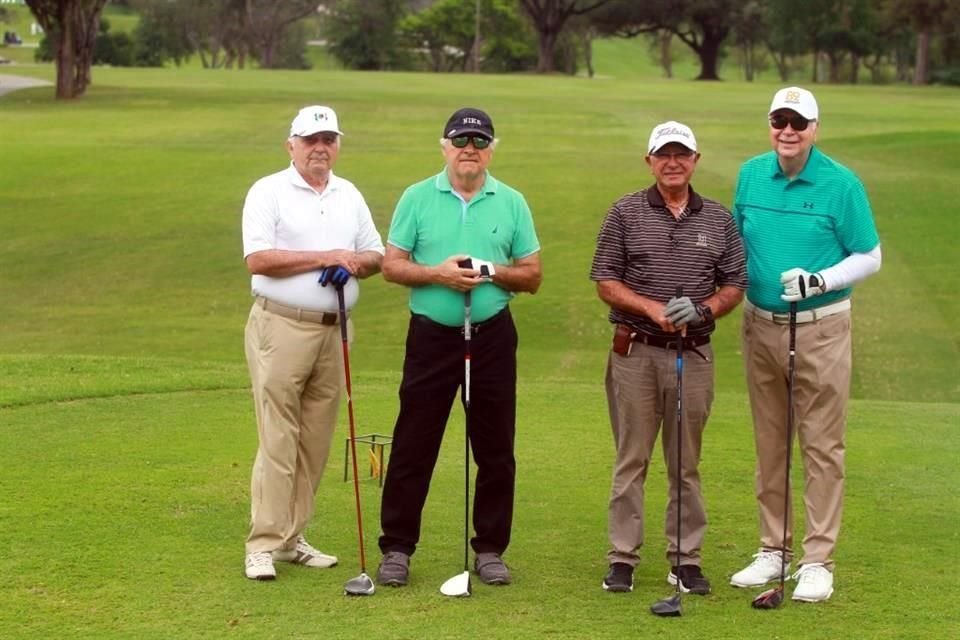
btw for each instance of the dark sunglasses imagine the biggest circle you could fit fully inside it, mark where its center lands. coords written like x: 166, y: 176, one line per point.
x: 781, y: 120
x: 478, y: 142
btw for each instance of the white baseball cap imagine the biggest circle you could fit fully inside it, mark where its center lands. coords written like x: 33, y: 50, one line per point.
x: 315, y: 119
x: 796, y: 99
x: 668, y: 132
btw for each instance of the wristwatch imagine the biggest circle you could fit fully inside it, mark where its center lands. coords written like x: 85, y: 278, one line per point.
x: 705, y: 313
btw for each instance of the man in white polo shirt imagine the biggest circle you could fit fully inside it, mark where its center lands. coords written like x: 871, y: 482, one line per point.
x: 301, y: 226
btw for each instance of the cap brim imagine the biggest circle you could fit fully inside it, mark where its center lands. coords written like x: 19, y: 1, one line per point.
x: 302, y: 134
x: 666, y: 142
x: 463, y: 132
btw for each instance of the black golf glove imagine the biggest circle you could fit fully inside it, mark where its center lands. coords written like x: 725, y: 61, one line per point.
x: 337, y: 276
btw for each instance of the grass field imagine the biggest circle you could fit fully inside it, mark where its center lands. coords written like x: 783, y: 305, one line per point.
x: 127, y: 427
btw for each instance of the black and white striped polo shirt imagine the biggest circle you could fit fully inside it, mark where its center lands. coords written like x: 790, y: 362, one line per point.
x: 644, y: 246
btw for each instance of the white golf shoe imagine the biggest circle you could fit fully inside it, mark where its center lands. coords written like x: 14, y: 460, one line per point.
x: 305, y: 555
x: 764, y: 568
x: 259, y: 566
x: 814, y: 583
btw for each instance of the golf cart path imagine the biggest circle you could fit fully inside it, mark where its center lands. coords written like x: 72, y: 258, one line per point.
x: 10, y: 83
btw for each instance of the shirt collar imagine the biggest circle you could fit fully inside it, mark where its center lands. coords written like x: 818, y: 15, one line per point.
x: 442, y: 183
x: 694, y: 201
x: 333, y: 182
x: 809, y: 171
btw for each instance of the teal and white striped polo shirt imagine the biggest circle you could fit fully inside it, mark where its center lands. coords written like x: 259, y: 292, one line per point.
x: 812, y: 222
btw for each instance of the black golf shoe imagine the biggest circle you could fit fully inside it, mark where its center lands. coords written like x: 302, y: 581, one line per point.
x: 692, y: 579
x: 394, y: 569
x: 619, y: 578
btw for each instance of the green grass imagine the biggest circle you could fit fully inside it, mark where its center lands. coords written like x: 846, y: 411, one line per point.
x: 126, y: 422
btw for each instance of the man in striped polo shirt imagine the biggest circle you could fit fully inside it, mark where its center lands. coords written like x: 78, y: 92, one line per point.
x: 810, y: 235
x: 652, y: 243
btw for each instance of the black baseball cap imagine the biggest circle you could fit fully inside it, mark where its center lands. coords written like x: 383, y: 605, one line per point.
x: 468, y: 121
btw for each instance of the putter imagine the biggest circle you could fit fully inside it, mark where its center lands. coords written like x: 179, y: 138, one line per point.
x: 771, y: 598
x: 670, y: 607
x: 362, y: 585
x: 459, y: 585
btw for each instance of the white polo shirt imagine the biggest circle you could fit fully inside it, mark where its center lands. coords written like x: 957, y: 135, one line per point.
x: 282, y: 211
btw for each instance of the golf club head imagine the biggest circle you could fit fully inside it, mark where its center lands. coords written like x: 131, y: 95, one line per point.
x: 769, y: 599
x: 667, y: 608
x: 458, y: 586
x: 362, y: 585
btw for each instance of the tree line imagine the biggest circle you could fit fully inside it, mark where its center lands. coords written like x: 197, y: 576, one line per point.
x: 825, y: 40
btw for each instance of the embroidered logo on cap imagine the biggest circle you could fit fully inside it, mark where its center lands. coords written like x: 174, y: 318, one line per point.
x: 793, y: 97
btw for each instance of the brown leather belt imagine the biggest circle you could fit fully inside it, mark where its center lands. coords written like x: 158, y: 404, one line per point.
x: 670, y: 342
x: 302, y: 315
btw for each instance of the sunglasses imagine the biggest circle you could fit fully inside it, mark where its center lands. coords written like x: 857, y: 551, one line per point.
x: 479, y: 143
x: 781, y: 120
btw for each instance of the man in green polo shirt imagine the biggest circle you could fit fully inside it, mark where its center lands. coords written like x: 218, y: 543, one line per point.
x: 462, y: 212
x: 809, y: 234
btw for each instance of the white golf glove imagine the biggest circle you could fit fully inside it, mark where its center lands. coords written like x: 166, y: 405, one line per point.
x: 799, y: 284
x: 485, y: 268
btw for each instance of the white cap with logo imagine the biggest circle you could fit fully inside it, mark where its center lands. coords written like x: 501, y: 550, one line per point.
x: 315, y: 119
x: 671, y: 131
x: 796, y: 99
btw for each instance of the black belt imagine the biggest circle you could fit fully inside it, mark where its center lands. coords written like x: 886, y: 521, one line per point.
x: 476, y: 327
x: 670, y: 342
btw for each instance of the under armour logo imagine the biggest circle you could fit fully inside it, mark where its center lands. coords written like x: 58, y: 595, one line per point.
x: 808, y: 205
x: 495, y: 229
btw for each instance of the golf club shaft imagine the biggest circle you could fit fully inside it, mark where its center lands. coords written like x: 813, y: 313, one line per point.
x: 467, y: 331
x: 679, y: 437
x: 791, y: 373
x: 353, y: 429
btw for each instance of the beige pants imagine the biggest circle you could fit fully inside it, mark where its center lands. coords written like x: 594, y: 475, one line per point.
x: 821, y: 389
x: 296, y: 369
x: 642, y: 396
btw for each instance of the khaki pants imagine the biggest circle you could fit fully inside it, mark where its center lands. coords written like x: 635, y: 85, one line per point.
x: 821, y: 389
x: 296, y: 369
x: 642, y: 395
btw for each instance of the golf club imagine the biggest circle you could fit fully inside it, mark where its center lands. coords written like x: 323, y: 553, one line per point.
x: 459, y: 585
x: 771, y: 598
x: 670, y: 607
x: 362, y: 585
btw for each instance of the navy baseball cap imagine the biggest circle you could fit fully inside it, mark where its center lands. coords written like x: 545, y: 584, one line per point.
x: 469, y: 121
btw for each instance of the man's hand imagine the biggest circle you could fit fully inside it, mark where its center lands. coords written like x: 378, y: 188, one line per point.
x: 682, y: 312
x: 335, y: 275
x: 799, y: 285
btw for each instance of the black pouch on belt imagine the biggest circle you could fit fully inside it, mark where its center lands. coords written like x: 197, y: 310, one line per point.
x: 623, y: 340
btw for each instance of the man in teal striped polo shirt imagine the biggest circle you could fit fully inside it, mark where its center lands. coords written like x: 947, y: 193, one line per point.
x: 809, y: 234
x: 462, y: 212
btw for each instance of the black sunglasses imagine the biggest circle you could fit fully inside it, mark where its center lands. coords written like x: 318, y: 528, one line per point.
x: 478, y: 142
x: 781, y: 120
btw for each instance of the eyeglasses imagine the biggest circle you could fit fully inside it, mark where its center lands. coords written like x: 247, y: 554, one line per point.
x: 797, y: 121
x: 679, y: 156
x: 479, y: 143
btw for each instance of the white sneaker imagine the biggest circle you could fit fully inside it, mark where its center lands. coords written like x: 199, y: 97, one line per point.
x: 765, y: 568
x: 814, y: 583
x: 304, y: 554
x: 259, y: 566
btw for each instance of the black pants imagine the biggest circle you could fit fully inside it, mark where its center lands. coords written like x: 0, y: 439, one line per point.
x: 433, y: 370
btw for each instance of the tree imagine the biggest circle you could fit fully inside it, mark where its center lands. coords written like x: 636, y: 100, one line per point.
x: 924, y: 16
x: 265, y: 23
x: 702, y: 25
x: 72, y: 25
x: 549, y: 18
x: 362, y: 34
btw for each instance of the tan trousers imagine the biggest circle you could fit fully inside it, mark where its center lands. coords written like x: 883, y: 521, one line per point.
x: 821, y: 390
x: 296, y: 369
x: 642, y: 395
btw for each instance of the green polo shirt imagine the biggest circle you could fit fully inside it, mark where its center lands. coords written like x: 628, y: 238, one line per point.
x: 432, y: 223
x: 812, y: 222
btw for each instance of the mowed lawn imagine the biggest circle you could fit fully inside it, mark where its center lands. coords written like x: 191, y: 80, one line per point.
x: 127, y: 429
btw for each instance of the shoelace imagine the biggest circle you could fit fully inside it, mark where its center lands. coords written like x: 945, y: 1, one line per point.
x: 260, y: 559
x: 807, y: 573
